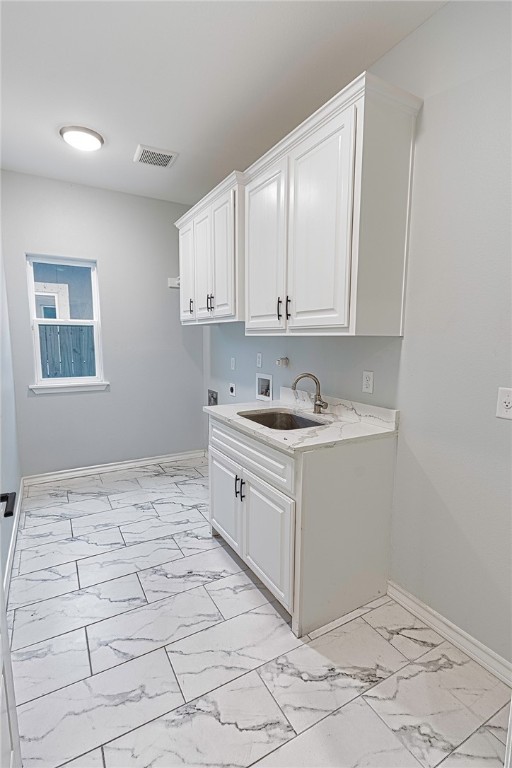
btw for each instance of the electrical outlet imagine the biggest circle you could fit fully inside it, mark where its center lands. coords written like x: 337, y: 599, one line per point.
x: 258, y: 360
x: 368, y: 382
x: 233, y: 363
x: 232, y: 390
x: 504, y: 406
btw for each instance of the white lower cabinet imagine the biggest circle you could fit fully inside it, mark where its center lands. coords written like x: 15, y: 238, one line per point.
x: 257, y: 521
x: 313, y: 526
x: 268, y: 521
x: 224, y: 503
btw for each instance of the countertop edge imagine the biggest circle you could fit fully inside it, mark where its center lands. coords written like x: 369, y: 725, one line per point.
x: 266, y: 439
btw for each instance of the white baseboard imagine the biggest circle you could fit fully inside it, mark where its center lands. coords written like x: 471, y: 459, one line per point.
x: 494, y: 663
x: 12, y: 545
x: 84, y: 471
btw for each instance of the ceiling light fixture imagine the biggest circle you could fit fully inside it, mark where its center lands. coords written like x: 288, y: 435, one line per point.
x: 81, y: 138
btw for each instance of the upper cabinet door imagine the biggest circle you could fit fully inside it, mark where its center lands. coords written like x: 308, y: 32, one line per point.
x: 202, y: 247
x: 187, y: 277
x: 319, y: 248
x: 265, y: 242
x: 223, y: 257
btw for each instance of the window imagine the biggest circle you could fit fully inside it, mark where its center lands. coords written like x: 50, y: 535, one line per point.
x: 64, y: 305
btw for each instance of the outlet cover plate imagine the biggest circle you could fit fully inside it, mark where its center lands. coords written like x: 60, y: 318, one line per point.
x: 232, y: 390
x: 368, y: 382
x: 504, y: 405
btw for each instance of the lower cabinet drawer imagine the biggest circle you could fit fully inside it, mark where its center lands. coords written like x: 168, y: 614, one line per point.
x: 267, y: 463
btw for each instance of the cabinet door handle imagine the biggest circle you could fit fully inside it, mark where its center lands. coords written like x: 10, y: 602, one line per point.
x: 211, y: 302
x: 288, y: 302
x: 207, y: 302
x: 190, y: 306
x: 242, y: 495
x: 279, y: 302
x: 237, y: 479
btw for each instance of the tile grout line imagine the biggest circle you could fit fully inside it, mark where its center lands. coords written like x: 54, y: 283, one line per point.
x: 88, y: 653
x: 240, y: 677
x: 186, y: 703
x: 412, y: 663
x: 483, y: 725
x: 143, y: 590
x: 103, y: 497
x: 146, y: 653
x: 66, y: 562
x: 408, y: 661
x: 176, y: 678
x: 93, y: 674
x: 122, y: 613
x: 103, y: 530
x: 274, y: 698
x: 106, y: 581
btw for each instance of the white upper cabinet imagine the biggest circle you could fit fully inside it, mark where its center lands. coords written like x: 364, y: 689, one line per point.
x: 212, y: 255
x: 316, y: 229
x: 222, y: 301
x: 265, y: 246
x: 321, y: 175
x: 327, y: 214
x: 203, y: 266
x: 187, y: 274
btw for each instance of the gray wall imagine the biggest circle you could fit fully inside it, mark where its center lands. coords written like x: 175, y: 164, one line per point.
x: 9, y: 459
x: 451, y: 525
x: 452, y: 521
x: 338, y: 362
x: 153, y: 365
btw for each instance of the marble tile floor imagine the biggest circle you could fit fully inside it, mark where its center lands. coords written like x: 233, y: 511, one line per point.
x: 139, y: 640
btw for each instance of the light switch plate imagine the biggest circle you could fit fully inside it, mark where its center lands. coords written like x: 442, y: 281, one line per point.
x: 258, y: 360
x: 504, y: 405
x: 233, y: 363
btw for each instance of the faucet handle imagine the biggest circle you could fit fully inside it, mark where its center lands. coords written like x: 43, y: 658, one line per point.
x: 319, y: 403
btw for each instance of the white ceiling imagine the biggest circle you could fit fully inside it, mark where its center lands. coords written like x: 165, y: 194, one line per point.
x: 218, y: 82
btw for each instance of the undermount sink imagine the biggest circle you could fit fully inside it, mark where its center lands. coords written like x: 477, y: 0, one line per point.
x: 279, y: 419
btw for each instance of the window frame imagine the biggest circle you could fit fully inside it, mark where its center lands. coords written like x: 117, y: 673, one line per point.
x: 65, y: 383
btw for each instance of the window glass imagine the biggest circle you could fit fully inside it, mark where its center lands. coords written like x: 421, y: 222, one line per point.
x: 46, y: 305
x: 67, y: 351
x: 70, y: 287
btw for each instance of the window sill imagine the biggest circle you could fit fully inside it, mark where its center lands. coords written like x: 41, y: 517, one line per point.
x: 46, y: 389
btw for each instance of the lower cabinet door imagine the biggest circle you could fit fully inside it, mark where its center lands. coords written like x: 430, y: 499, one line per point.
x: 268, y: 546
x: 225, y: 513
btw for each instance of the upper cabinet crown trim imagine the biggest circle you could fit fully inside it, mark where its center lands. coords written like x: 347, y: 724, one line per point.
x: 341, y: 101
x: 230, y: 182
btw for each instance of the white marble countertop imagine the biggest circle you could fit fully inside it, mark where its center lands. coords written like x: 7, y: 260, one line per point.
x: 343, y: 420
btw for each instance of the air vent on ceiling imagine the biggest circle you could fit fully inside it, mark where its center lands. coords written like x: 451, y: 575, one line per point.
x: 152, y: 156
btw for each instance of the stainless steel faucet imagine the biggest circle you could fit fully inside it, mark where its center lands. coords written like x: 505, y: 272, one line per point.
x: 319, y: 403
